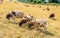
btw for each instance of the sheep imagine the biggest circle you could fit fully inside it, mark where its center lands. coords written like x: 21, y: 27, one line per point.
x: 33, y: 6
x: 25, y: 19
x: 40, y: 23
x: 26, y: 5
x: 14, y: 14
x: 43, y: 9
x: 1, y: 1
x: 48, y: 9
x: 39, y: 6
x: 51, y: 16
x: 22, y: 22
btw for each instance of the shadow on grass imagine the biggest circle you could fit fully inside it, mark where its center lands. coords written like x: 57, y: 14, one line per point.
x: 54, y: 19
x: 42, y: 31
x: 47, y: 33
x: 39, y: 30
x: 13, y: 22
x: 30, y: 28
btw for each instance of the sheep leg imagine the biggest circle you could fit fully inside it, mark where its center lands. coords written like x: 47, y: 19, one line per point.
x: 14, y: 20
x: 36, y: 26
x: 44, y: 28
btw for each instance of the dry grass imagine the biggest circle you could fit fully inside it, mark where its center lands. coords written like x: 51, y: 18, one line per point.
x: 10, y: 30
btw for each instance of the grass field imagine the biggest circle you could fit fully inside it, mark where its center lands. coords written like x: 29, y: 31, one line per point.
x: 8, y: 29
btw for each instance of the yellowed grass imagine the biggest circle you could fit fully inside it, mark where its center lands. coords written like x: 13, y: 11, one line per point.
x: 10, y: 30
